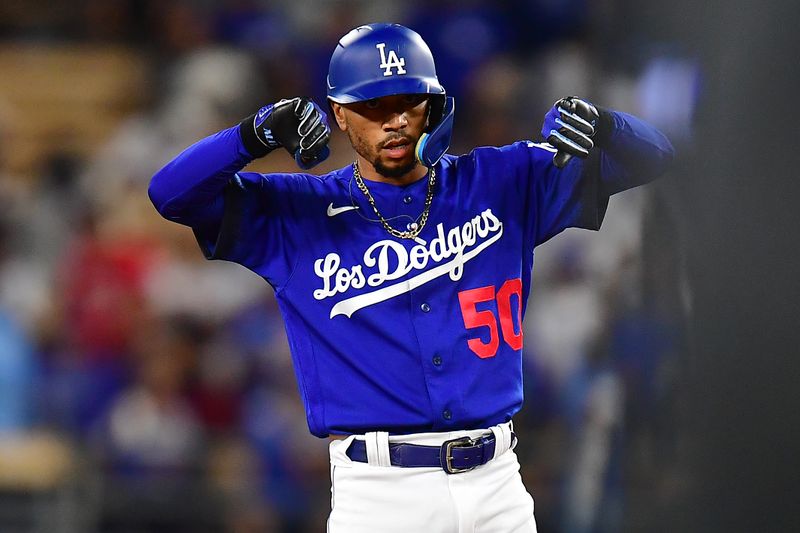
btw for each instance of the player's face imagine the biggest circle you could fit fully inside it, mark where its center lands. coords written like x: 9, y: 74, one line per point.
x: 384, y: 131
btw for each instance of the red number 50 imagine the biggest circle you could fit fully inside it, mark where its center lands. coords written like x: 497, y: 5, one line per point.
x: 474, y: 318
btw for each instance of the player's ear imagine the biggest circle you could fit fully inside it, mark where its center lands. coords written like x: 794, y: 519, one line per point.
x: 338, y: 114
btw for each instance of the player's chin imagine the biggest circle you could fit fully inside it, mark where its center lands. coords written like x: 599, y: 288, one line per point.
x: 395, y: 167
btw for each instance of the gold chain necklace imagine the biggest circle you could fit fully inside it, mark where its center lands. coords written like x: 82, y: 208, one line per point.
x: 414, y: 228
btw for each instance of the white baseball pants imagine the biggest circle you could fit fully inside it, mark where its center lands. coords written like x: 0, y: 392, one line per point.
x: 376, y: 497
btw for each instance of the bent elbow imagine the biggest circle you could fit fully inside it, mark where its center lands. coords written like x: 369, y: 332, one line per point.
x: 154, y: 193
x: 158, y: 193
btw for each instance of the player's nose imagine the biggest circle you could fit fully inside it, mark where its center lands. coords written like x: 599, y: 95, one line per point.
x: 396, y: 120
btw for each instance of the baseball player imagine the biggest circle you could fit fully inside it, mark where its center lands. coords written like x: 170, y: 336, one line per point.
x: 402, y: 278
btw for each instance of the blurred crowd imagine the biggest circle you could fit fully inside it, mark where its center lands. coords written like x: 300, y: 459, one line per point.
x: 143, y: 388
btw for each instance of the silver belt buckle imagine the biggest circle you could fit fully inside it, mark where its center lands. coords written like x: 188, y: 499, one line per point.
x: 447, y: 463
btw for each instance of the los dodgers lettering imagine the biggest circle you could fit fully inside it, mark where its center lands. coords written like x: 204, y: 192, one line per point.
x: 453, y: 243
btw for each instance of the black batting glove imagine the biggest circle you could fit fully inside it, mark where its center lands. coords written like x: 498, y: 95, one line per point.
x: 297, y: 124
x: 569, y: 126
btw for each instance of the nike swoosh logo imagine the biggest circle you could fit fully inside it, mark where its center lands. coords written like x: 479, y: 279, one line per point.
x: 333, y: 211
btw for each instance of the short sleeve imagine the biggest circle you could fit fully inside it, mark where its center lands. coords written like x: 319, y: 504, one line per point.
x: 252, y: 231
x: 556, y: 198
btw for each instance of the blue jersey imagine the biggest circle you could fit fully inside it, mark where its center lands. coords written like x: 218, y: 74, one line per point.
x: 395, y: 334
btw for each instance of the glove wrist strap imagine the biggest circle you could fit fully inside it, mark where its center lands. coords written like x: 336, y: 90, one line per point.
x: 254, y: 146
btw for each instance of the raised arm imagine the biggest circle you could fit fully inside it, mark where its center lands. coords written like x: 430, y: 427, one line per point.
x: 631, y: 152
x: 190, y: 188
x: 592, y: 153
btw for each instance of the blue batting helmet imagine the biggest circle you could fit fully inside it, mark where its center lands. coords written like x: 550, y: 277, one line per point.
x: 379, y: 60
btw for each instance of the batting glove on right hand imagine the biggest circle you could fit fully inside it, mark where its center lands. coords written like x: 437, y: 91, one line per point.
x: 297, y: 124
x: 569, y: 126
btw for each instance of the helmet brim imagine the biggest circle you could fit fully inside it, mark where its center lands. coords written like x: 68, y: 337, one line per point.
x: 377, y: 89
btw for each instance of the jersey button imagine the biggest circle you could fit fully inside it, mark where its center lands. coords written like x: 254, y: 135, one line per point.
x: 437, y: 360
x: 425, y: 308
x: 407, y: 199
x: 446, y: 414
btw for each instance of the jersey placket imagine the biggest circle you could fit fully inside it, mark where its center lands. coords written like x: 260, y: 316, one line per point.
x: 426, y: 309
x: 425, y: 306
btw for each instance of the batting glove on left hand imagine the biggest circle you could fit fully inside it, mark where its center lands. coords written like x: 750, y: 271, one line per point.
x: 569, y: 126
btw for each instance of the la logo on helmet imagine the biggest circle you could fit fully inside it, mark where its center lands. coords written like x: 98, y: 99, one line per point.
x: 393, y: 61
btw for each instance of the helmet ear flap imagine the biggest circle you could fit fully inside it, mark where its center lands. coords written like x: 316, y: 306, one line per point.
x: 435, y: 111
x: 432, y: 145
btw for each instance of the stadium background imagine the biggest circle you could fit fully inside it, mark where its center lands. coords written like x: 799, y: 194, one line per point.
x: 145, y: 389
